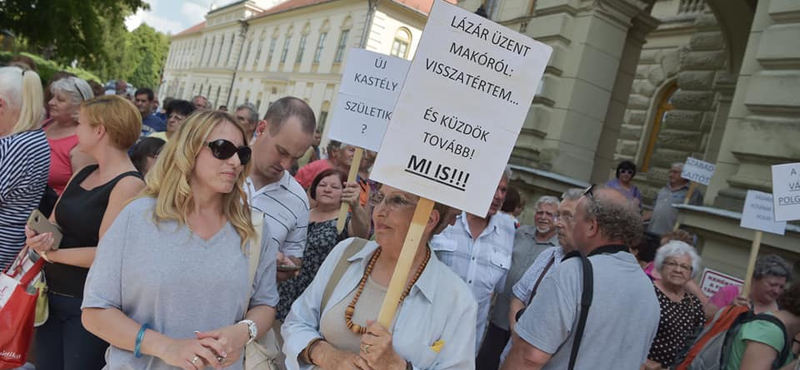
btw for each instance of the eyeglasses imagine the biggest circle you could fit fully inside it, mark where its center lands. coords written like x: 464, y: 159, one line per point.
x: 177, y: 117
x: 626, y: 171
x: 675, y: 265
x: 394, y: 202
x: 224, y: 149
x: 589, y: 193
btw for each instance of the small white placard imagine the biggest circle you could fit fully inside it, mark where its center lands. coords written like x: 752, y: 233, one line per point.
x: 698, y: 171
x: 466, y: 96
x: 368, y: 92
x: 758, y: 213
x: 786, y: 191
x: 713, y: 281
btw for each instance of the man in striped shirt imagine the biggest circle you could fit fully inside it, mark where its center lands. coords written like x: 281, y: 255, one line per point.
x: 282, y: 137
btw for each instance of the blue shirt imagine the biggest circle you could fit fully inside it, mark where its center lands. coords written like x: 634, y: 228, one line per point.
x: 439, y: 308
x: 155, y: 123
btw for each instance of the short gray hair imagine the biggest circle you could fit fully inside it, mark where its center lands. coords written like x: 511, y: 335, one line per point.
x: 546, y: 199
x: 77, y: 89
x: 507, y: 173
x: 572, y: 194
x: 679, y: 165
x: 772, y: 265
x: 677, y: 248
x: 252, y: 116
x: 616, y: 220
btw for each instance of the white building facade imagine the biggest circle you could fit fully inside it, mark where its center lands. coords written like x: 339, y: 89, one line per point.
x: 248, y: 52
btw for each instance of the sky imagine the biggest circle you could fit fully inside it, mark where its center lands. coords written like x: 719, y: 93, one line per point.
x: 173, y: 16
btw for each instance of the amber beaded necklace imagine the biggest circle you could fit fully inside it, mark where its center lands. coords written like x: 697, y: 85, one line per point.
x: 351, y: 308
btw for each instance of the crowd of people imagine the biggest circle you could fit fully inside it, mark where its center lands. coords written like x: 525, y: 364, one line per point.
x: 161, y: 208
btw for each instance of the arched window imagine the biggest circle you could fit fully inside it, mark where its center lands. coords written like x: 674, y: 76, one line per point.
x: 301, y: 48
x: 286, y: 42
x: 664, y: 106
x: 342, y: 45
x: 323, y: 115
x: 402, y: 40
x: 323, y: 34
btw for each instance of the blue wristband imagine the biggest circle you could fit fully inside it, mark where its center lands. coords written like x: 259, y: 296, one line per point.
x: 137, y: 349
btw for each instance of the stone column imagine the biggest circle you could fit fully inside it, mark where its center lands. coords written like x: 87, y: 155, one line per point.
x: 762, y: 127
x: 592, y: 58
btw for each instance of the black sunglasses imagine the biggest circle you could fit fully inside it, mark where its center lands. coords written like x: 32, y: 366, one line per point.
x: 224, y: 149
x: 589, y: 193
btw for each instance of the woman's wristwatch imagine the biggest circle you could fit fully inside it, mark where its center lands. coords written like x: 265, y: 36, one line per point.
x: 252, y: 329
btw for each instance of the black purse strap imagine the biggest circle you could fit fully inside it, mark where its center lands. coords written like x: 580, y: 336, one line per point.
x: 541, y: 276
x: 586, y: 301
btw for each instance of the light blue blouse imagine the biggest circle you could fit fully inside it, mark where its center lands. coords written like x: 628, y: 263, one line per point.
x: 440, y: 307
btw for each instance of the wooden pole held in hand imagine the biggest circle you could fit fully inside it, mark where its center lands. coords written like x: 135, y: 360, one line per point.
x: 400, y: 275
x: 751, y: 264
x: 354, y: 166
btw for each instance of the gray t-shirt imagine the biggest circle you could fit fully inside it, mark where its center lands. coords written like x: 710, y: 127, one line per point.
x: 166, y: 276
x: 664, y: 214
x: 622, y: 322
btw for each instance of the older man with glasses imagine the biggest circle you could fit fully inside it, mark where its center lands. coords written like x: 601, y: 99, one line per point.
x: 623, y: 313
x: 529, y: 242
x: 664, y: 215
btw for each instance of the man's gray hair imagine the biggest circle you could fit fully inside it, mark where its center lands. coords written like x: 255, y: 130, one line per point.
x: 572, y: 194
x: 77, y: 89
x: 677, y: 248
x: 252, y: 116
x: 617, y: 220
x: 545, y: 199
x: 678, y: 165
x: 507, y: 173
x: 772, y: 265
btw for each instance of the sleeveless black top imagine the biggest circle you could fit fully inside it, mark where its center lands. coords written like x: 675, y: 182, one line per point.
x: 79, y: 213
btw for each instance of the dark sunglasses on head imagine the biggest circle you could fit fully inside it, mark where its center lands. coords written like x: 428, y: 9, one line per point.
x: 224, y: 149
x: 589, y: 192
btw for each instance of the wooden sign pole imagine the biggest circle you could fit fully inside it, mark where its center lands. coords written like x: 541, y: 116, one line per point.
x: 692, y: 186
x: 400, y: 275
x: 752, y: 262
x: 351, y: 177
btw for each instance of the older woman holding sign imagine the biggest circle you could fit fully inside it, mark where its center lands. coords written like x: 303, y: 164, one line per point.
x: 331, y: 325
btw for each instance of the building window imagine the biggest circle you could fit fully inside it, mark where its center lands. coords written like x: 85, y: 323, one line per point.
x: 320, y: 45
x: 301, y: 48
x: 205, y: 43
x: 342, y: 46
x: 402, y: 39
x: 272, y: 49
x: 664, y: 106
x: 285, y: 51
x: 258, y: 50
x: 247, y: 54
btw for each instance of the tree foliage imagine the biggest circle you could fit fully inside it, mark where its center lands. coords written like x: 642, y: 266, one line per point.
x: 147, y: 51
x: 66, y: 29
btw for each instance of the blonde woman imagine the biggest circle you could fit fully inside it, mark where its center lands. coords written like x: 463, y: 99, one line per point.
x: 24, y: 156
x: 107, y: 127
x: 169, y: 287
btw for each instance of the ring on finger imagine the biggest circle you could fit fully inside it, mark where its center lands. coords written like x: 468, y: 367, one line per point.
x: 366, y: 348
x: 194, y: 360
x: 220, y: 359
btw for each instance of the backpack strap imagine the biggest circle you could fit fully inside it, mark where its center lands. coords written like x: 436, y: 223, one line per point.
x: 787, y: 342
x: 586, y: 301
x: 354, y: 247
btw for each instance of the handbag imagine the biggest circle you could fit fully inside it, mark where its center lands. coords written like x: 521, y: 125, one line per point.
x: 17, y: 309
x: 260, y: 354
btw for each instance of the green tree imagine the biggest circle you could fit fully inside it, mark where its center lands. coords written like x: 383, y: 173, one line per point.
x: 66, y: 29
x: 147, y: 53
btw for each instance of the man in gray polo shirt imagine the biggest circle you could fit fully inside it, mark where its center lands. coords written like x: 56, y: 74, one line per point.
x: 624, y: 313
x: 664, y: 214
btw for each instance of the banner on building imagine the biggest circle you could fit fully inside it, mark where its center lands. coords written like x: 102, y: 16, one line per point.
x: 368, y: 92
x: 463, y: 104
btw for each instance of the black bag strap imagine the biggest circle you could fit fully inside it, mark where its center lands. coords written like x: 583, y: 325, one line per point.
x: 541, y: 276
x: 586, y: 301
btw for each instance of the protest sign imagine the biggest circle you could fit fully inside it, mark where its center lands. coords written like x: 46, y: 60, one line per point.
x: 368, y: 92
x: 712, y: 281
x: 698, y: 171
x: 758, y: 214
x: 786, y: 191
x: 465, y: 98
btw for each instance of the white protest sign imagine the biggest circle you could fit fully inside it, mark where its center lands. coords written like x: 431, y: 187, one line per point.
x: 758, y: 214
x: 698, y: 171
x: 713, y: 281
x: 370, y: 86
x: 786, y: 189
x: 466, y: 96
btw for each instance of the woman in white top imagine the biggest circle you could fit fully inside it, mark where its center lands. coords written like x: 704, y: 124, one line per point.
x: 169, y: 285
x: 435, y: 323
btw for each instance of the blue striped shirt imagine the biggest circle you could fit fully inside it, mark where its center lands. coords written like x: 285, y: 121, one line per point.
x: 24, y: 167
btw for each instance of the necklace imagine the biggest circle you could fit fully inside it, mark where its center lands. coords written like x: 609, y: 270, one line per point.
x: 351, y: 308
